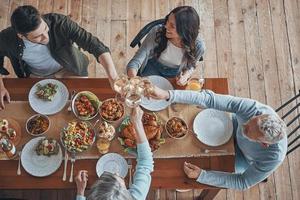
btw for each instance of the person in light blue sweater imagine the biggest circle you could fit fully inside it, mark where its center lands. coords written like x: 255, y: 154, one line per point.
x: 111, y: 186
x: 259, y: 134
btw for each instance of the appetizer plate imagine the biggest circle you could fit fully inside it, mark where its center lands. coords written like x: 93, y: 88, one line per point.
x: 36, y: 165
x: 213, y: 127
x: 49, y: 107
x: 113, y: 163
x: 154, y: 104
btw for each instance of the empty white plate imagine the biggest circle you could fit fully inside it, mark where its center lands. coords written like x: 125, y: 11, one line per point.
x: 49, y: 107
x: 36, y: 165
x: 213, y: 127
x: 154, y: 104
x: 113, y: 163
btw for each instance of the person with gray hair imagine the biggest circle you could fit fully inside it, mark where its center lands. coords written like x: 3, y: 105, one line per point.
x: 111, y: 186
x: 259, y: 134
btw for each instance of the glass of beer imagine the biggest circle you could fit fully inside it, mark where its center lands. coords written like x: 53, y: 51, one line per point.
x: 103, y: 145
x: 195, y: 84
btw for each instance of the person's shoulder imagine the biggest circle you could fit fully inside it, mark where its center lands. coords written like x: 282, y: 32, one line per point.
x: 55, y: 17
x: 156, y: 28
x: 200, y: 44
x: 7, y: 36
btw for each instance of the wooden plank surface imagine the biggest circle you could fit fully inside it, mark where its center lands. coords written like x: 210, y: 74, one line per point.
x: 167, y: 174
x: 249, y: 57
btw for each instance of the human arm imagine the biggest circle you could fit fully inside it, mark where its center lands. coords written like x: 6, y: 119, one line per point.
x: 142, y: 177
x: 106, y: 61
x: 244, y: 107
x: 253, y: 175
x: 4, y: 94
x: 92, y: 44
x: 142, y: 53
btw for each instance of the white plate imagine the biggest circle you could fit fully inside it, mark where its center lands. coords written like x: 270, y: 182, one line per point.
x: 49, y: 107
x: 213, y: 127
x: 112, y: 162
x: 154, y: 104
x: 36, y: 165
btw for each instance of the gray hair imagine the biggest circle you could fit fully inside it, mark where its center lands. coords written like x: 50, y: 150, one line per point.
x: 107, y: 187
x: 272, y: 127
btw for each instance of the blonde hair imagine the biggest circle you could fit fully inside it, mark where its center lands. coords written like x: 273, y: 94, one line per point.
x: 107, y: 187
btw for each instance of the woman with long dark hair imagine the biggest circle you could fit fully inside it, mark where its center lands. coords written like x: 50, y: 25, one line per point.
x: 171, y: 49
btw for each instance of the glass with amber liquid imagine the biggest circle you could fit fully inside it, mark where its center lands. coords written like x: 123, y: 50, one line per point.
x: 196, y: 84
x: 103, y: 145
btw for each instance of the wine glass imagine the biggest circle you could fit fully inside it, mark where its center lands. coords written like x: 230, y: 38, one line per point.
x: 121, y: 86
x: 133, y: 98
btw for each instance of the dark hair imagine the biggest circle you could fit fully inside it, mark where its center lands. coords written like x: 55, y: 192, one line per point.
x: 25, y: 19
x: 187, y: 27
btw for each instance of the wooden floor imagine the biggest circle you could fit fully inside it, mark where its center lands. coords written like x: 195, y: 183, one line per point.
x: 254, y: 43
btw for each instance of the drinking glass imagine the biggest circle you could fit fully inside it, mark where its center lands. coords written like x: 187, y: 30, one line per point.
x: 133, y: 98
x: 121, y: 86
x: 103, y: 145
x: 195, y: 84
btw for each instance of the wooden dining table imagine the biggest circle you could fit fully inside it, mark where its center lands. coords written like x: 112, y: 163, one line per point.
x: 168, y: 172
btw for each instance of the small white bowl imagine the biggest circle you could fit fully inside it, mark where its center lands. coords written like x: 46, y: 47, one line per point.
x: 32, y: 118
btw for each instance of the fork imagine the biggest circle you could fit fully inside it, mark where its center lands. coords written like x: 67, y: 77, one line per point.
x: 73, y: 158
x: 19, y: 162
x: 129, y: 162
x: 73, y: 93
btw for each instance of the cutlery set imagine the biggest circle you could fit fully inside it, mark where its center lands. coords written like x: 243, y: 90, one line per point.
x: 73, y: 158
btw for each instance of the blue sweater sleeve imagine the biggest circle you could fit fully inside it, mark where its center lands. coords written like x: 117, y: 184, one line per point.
x: 243, y: 107
x: 142, y: 177
x: 80, y: 197
x: 254, y: 174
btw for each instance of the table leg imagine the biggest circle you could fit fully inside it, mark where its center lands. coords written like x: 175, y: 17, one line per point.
x: 208, y: 194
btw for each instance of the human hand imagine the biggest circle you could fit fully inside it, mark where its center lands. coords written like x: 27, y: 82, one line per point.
x: 4, y: 94
x: 136, y: 115
x: 158, y: 93
x: 81, y: 181
x: 183, y: 78
x: 192, y: 171
x: 131, y: 72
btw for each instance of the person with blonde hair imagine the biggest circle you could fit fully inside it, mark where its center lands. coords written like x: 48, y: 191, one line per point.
x: 259, y: 134
x: 111, y: 186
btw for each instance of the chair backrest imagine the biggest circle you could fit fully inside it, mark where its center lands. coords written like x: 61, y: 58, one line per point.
x: 294, y: 134
x: 137, y: 39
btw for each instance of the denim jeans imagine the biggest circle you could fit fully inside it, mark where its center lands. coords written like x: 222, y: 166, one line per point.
x: 153, y: 67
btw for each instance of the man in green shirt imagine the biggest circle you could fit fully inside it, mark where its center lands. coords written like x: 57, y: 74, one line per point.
x: 42, y: 46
